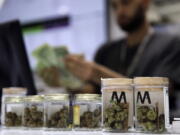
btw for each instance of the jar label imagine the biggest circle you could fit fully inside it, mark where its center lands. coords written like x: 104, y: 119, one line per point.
x: 76, y: 114
x: 146, y: 97
x: 119, y: 98
x: 143, y: 97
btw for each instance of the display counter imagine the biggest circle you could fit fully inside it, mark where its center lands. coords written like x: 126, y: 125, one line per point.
x: 38, y: 132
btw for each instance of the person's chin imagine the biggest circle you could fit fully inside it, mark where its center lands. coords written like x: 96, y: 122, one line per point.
x: 124, y: 27
x: 123, y: 22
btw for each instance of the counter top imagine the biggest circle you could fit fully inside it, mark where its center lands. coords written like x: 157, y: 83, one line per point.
x: 39, y: 132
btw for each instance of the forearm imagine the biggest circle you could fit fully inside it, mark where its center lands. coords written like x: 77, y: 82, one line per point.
x: 89, y: 71
x: 103, y: 72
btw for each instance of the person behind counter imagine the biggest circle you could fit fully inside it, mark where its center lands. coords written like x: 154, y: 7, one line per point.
x: 143, y: 52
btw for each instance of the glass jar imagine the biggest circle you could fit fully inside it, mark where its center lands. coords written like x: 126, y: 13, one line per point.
x: 118, y: 110
x: 34, y: 112
x: 152, y: 104
x: 87, y: 112
x: 13, y: 112
x: 57, y: 112
x: 10, y: 92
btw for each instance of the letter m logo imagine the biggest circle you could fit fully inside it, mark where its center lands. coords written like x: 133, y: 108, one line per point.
x: 143, y: 98
x: 119, y: 98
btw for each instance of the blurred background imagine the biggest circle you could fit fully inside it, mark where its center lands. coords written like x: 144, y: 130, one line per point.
x: 57, y: 22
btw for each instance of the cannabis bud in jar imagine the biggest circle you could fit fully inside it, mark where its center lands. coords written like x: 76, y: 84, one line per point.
x: 149, y: 120
x: 59, y: 119
x: 34, y: 111
x: 57, y: 112
x: 87, y: 112
x: 33, y: 117
x: 117, y: 104
x: 12, y: 119
x: 91, y: 119
x: 116, y: 116
x: 12, y: 111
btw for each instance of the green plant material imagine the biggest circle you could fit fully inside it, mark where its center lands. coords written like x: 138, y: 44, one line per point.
x: 51, y: 76
x: 59, y: 119
x: 116, y: 116
x: 91, y: 119
x: 51, y: 67
x: 60, y: 51
x: 152, y: 115
x: 148, y: 119
x: 161, y: 123
x: 33, y: 117
x: 118, y: 126
x: 141, y: 113
x: 13, y: 120
x: 150, y: 126
x: 69, y: 81
x: 45, y: 55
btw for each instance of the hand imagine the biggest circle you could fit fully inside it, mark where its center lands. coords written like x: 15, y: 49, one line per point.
x: 88, y: 71
x: 79, y: 67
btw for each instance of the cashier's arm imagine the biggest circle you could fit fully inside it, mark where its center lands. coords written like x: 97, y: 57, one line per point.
x: 89, y: 71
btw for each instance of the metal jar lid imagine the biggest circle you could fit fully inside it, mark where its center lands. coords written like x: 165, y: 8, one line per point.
x: 87, y: 97
x: 57, y: 97
x: 116, y: 81
x: 151, y: 81
x: 36, y: 98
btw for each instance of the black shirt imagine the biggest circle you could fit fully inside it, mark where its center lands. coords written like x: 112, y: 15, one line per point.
x: 130, y: 53
x: 110, y: 56
x: 159, y: 58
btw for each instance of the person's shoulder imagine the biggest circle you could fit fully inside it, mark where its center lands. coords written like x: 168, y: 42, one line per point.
x: 166, y: 36
x: 167, y: 39
x: 165, y: 44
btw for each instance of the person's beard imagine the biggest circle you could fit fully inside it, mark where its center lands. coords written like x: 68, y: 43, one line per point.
x: 135, y: 23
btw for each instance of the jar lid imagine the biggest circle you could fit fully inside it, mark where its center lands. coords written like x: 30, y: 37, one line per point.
x: 14, y: 90
x: 88, y: 97
x: 36, y: 98
x: 14, y: 99
x: 116, y: 81
x: 151, y: 81
x: 56, y: 97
